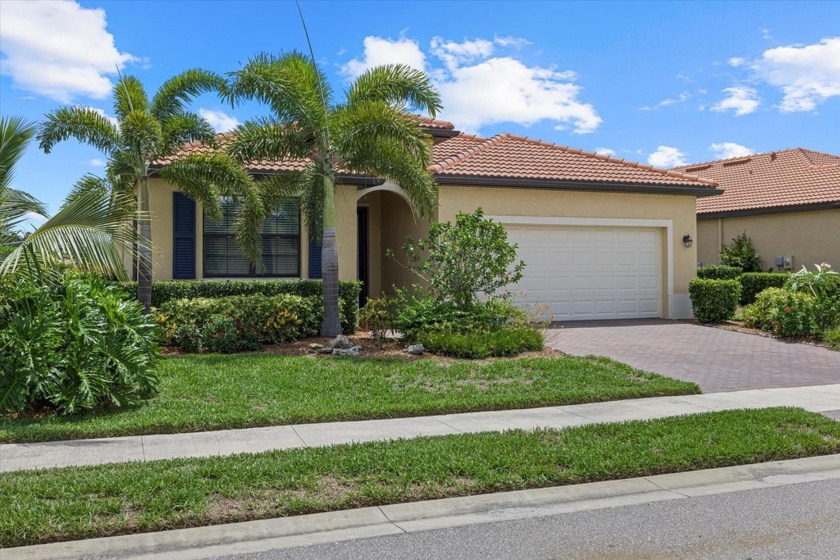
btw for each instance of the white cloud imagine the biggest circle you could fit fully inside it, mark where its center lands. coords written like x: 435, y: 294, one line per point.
x: 221, y: 122
x: 736, y: 61
x: 765, y: 33
x: 667, y: 157
x: 58, y: 49
x: 96, y: 162
x: 806, y: 74
x: 741, y: 99
x: 605, y: 151
x: 726, y: 150
x: 515, y: 42
x: 480, y: 88
x: 681, y: 98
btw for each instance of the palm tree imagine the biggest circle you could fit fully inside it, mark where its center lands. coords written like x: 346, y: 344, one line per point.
x: 15, y: 134
x: 148, y: 130
x: 370, y: 133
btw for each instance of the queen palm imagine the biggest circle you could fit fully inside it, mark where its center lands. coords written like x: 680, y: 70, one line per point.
x: 149, y: 130
x: 369, y: 133
x: 15, y: 134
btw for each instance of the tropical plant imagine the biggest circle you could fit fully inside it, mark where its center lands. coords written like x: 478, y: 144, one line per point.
x: 15, y: 134
x: 369, y: 133
x: 740, y: 253
x: 147, y: 131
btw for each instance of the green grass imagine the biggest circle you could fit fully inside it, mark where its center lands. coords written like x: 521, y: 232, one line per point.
x: 85, y: 502
x: 213, y: 392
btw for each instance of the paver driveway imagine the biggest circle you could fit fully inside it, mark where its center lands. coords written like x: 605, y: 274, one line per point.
x: 716, y: 359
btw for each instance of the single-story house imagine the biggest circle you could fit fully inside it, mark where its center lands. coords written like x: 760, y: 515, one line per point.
x: 787, y: 201
x: 602, y: 238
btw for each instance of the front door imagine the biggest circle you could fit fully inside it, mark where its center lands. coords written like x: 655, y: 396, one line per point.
x: 362, y: 265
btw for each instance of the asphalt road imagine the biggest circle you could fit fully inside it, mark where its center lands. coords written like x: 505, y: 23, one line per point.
x: 800, y: 521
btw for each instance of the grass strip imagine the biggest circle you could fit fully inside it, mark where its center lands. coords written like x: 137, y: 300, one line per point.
x: 85, y: 502
x: 214, y: 392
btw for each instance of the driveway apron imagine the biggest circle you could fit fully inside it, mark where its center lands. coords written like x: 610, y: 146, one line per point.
x: 716, y: 359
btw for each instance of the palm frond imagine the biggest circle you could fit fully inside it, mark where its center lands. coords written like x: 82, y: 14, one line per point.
x: 266, y: 139
x: 14, y: 207
x: 82, y: 123
x: 398, y: 86
x: 129, y: 96
x: 177, y: 91
x: 182, y: 128
x: 306, y: 186
x: 15, y: 134
x: 90, y: 233
x: 88, y: 183
x: 141, y: 134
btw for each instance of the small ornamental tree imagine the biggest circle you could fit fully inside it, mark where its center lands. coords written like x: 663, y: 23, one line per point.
x: 460, y: 262
x: 741, y: 253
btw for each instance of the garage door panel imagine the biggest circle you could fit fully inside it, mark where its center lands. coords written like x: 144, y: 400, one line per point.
x: 590, y: 273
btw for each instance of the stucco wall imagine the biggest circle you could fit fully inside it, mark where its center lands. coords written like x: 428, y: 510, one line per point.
x: 809, y: 237
x: 680, y: 210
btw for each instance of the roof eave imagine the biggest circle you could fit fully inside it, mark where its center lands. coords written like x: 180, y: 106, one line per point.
x: 595, y: 186
x: 768, y: 210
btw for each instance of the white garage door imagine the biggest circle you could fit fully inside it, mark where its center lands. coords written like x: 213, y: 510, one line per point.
x: 591, y: 272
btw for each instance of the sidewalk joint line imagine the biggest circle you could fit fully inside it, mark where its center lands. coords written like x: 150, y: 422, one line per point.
x: 447, y: 425
x: 303, y: 441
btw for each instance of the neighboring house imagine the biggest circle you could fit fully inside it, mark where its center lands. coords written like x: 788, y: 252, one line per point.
x: 602, y: 238
x: 788, y: 202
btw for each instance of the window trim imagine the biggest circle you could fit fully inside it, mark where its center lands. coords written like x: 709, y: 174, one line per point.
x: 251, y: 268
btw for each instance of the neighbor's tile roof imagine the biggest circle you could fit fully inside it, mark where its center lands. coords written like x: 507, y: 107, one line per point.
x: 510, y: 156
x: 506, y: 156
x: 794, y: 177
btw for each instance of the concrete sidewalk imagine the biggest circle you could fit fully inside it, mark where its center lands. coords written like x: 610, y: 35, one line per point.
x: 253, y: 537
x: 14, y: 457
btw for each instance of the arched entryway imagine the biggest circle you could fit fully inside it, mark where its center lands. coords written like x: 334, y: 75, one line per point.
x: 385, y: 221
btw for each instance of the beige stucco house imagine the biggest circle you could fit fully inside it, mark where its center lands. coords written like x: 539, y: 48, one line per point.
x: 602, y: 238
x: 788, y: 202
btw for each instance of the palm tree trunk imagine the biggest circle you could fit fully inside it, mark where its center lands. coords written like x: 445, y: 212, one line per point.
x: 329, y: 262
x: 144, y: 254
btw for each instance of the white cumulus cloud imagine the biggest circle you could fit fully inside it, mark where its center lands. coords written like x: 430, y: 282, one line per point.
x: 807, y: 74
x: 220, y: 121
x: 666, y: 157
x: 736, y: 61
x: 480, y: 87
x: 58, y: 49
x: 681, y: 98
x: 605, y: 151
x: 726, y: 150
x: 741, y: 99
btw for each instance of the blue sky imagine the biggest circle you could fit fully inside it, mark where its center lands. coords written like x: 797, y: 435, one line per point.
x: 661, y: 83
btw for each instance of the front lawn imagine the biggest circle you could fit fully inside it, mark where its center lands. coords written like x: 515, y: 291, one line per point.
x: 85, y: 502
x: 213, y: 392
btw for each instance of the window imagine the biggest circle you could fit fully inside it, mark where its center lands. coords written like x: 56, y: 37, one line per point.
x: 280, y: 239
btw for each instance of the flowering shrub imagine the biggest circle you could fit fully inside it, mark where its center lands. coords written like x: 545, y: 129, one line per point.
x: 226, y: 335
x: 782, y: 313
x: 823, y: 282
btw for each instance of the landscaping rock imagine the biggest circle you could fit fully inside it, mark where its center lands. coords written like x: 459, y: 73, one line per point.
x: 315, y: 347
x: 340, y: 342
x: 325, y: 350
x: 354, y: 351
x: 415, y: 349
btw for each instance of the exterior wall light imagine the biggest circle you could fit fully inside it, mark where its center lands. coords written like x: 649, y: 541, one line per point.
x: 687, y: 240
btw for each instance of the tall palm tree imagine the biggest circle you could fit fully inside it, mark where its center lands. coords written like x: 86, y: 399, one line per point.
x: 88, y: 232
x: 148, y: 130
x: 369, y: 133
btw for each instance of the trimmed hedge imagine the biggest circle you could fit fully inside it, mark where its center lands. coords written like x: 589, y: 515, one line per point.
x: 718, y: 272
x: 165, y: 290
x: 753, y: 283
x: 478, y: 345
x: 714, y: 301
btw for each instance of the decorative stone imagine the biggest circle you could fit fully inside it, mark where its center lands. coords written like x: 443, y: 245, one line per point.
x: 415, y: 349
x: 341, y: 342
x: 314, y: 347
x: 325, y: 350
x: 354, y: 351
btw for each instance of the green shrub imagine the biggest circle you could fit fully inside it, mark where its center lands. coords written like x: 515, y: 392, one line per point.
x: 426, y: 315
x: 378, y: 316
x: 753, y: 283
x: 477, y: 344
x: 782, y: 313
x: 740, y: 253
x: 77, y: 344
x: 714, y: 301
x: 187, y: 337
x: 279, y: 318
x: 832, y: 338
x: 823, y: 282
x: 719, y: 272
x: 826, y: 313
x: 164, y: 291
x: 224, y: 335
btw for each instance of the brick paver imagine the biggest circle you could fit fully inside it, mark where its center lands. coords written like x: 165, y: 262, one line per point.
x: 718, y: 360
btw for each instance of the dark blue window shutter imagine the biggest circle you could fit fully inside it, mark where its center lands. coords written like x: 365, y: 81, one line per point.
x: 183, y: 243
x: 314, y: 259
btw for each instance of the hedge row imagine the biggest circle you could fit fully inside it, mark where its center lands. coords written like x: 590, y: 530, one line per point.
x: 714, y: 301
x: 163, y: 291
x: 753, y: 283
x: 719, y: 272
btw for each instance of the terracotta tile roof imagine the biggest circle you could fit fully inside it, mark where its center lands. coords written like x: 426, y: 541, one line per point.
x: 510, y: 156
x: 794, y: 177
x: 506, y: 156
